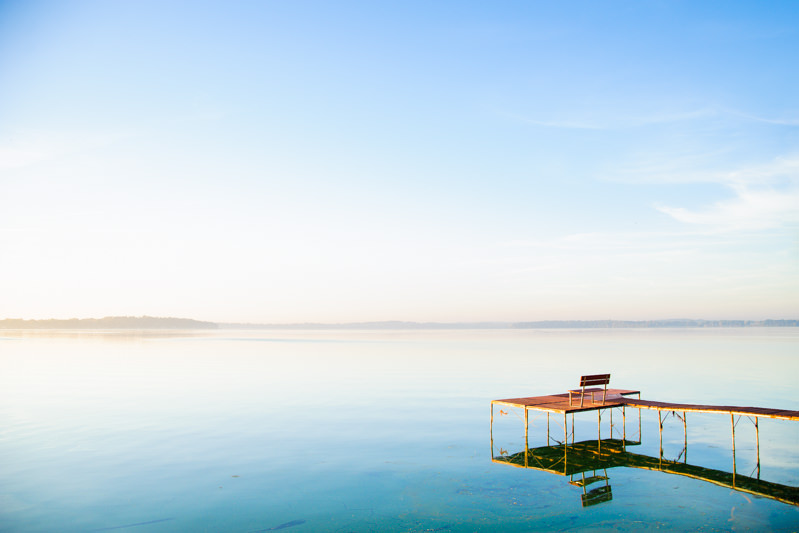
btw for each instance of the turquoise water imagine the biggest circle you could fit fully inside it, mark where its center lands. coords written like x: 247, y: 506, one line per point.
x: 373, y: 430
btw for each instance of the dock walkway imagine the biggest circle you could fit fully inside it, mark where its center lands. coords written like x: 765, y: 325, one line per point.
x: 563, y: 453
x: 559, y: 403
x: 765, y: 412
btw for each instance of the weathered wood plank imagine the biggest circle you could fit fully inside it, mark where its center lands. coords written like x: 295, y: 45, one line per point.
x: 701, y: 408
x: 617, y: 397
x: 559, y: 403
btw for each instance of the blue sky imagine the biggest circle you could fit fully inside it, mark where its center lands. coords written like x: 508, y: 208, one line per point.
x: 348, y: 161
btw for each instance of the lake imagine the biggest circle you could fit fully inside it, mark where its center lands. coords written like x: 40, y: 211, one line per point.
x: 340, y: 430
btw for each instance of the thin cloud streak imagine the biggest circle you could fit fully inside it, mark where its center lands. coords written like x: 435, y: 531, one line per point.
x: 780, y: 121
x: 34, y: 148
x: 751, y: 210
x: 622, y: 242
x: 759, y: 203
x: 619, y: 121
x: 615, y: 123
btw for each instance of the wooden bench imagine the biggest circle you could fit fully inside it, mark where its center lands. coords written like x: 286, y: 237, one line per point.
x: 591, y: 381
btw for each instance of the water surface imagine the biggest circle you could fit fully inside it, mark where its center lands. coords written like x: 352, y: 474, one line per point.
x: 372, y: 430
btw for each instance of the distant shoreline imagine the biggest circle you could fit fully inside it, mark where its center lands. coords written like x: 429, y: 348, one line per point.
x: 147, y: 322
x: 109, y: 322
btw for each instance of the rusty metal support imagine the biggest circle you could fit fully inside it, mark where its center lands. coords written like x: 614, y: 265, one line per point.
x: 572, y: 428
x: 566, y: 439
x: 599, y: 423
x: 685, y: 436
x: 623, y: 428
x: 491, y: 430
x: 734, y: 469
x: 526, y: 445
x: 611, y: 423
x: 757, y: 441
x: 640, y: 437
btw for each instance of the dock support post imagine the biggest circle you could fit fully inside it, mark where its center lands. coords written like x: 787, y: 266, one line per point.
x: 732, y: 422
x: 566, y: 440
x: 526, y: 446
x: 623, y: 428
x: 611, y: 422
x: 660, y: 431
x: 599, y: 423
x: 572, y: 428
x: 547, y: 428
x: 640, y: 437
x: 757, y: 442
x: 491, y: 430
x: 685, y: 437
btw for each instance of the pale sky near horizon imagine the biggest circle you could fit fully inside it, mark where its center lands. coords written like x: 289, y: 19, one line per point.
x: 353, y: 161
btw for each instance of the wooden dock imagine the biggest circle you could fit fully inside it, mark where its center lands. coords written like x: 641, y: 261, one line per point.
x: 764, y: 412
x: 559, y: 404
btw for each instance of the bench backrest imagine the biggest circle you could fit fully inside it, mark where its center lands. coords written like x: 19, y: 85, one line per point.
x: 596, y: 379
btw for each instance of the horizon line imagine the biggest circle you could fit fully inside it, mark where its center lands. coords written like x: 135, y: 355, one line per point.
x: 151, y: 322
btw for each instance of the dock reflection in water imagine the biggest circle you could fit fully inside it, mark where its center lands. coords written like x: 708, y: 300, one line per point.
x: 587, y: 463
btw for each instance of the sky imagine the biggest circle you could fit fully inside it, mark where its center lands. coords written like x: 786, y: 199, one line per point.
x: 304, y: 161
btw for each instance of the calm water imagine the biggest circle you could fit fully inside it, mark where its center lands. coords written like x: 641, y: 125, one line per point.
x: 249, y: 431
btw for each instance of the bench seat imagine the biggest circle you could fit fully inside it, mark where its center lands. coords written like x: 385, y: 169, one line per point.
x: 586, y: 383
x: 590, y: 392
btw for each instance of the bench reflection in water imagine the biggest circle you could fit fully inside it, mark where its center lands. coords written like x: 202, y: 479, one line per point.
x: 586, y: 463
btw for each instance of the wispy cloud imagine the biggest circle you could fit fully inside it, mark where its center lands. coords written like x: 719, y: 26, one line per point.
x: 750, y: 210
x: 781, y: 168
x: 621, y: 242
x: 12, y: 157
x: 623, y: 253
x: 765, y: 196
x: 620, y: 120
x: 613, y: 122
x: 780, y: 121
x: 561, y: 124
x: 32, y: 148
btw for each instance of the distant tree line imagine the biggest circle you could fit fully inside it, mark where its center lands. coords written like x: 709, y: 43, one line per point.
x: 672, y: 323
x: 378, y: 325
x: 542, y: 324
x: 109, y: 322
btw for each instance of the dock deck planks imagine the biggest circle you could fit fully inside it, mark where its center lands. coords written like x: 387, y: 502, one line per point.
x: 765, y: 412
x: 559, y: 403
x: 564, y: 455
